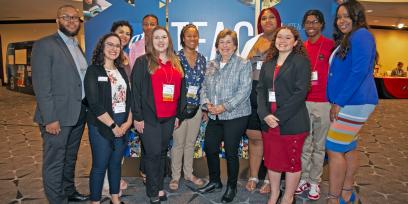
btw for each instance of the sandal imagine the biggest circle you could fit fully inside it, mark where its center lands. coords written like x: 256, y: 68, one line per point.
x: 352, y: 196
x: 266, y: 187
x: 195, y: 180
x: 123, y: 184
x: 251, y: 184
x: 174, y: 184
x: 332, y: 197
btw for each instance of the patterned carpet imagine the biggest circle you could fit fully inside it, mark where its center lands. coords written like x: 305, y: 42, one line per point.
x: 382, y: 178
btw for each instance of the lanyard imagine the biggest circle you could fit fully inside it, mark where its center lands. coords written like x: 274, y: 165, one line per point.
x: 275, y: 73
x: 317, y: 55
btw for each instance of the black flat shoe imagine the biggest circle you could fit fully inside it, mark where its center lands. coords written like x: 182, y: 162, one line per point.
x: 77, y: 197
x: 121, y: 202
x: 155, y: 200
x: 229, y: 194
x: 210, y: 187
x: 163, y: 197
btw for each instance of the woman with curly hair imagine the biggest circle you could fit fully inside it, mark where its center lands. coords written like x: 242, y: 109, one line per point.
x: 255, y: 50
x: 107, y: 92
x: 283, y: 84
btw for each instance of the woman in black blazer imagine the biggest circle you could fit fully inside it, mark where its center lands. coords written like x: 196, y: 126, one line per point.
x: 108, y: 95
x: 283, y: 84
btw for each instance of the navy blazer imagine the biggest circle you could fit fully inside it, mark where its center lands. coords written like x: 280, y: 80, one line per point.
x: 99, y: 97
x: 143, y: 106
x: 291, y: 86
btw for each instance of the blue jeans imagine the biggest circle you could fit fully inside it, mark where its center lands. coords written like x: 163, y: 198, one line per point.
x: 106, y: 155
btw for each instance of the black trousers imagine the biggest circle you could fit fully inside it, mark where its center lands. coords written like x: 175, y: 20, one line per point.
x: 155, y: 139
x: 231, y: 132
x: 59, y: 159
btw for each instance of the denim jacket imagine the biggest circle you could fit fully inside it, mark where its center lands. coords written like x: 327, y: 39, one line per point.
x: 230, y: 86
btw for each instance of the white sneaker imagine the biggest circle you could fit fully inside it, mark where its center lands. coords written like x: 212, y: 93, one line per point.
x: 314, y: 192
x: 303, y: 186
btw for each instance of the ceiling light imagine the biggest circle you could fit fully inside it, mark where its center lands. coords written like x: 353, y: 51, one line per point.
x: 400, y: 25
x: 369, y: 10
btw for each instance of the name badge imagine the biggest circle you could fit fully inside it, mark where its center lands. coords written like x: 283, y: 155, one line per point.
x: 271, y: 97
x: 120, y: 108
x: 168, y: 92
x: 192, y: 91
x: 259, y: 65
x: 102, y: 78
x: 314, y: 78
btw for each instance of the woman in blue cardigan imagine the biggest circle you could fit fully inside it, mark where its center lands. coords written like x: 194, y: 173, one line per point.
x: 351, y: 91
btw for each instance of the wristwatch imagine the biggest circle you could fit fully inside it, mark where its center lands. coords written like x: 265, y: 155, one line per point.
x: 113, y: 126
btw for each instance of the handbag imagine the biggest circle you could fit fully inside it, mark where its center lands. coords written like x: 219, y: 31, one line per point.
x: 190, y: 111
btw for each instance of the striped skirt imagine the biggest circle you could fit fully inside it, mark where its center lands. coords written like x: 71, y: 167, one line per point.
x: 342, y: 135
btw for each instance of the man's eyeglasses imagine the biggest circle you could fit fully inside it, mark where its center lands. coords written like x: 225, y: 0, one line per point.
x: 150, y: 24
x: 315, y: 22
x: 70, y: 18
x: 110, y: 45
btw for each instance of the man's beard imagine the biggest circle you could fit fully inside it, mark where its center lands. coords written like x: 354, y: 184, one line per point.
x: 67, y: 32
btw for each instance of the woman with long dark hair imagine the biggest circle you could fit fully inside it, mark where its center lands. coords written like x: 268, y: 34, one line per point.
x: 351, y: 91
x: 283, y: 85
x: 107, y: 92
x: 158, y: 89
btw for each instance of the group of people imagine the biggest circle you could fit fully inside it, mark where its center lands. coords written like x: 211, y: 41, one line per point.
x: 296, y: 101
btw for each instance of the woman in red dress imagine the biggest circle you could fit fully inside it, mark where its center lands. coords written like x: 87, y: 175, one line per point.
x: 283, y: 85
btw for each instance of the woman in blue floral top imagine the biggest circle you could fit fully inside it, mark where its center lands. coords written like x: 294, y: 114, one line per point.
x: 185, y: 136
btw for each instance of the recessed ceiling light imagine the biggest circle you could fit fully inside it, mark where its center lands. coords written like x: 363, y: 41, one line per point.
x: 400, y: 25
x: 369, y: 10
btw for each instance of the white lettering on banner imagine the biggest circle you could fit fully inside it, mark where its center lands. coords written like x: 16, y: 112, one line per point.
x: 201, y: 24
x: 219, y: 27
x: 248, y: 25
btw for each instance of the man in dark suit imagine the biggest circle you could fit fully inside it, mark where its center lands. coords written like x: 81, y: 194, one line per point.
x: 59, y: 67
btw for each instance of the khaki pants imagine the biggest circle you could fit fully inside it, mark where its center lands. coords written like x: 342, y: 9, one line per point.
x: 313, y: 148
x: 184, y: 139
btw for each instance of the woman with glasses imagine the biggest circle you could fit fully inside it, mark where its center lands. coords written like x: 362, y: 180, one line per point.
x: 107, y: 92
x: 159, y: 96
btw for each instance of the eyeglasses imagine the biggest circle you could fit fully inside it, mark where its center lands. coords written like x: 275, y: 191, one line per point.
x: 160, y: 37
x: 110, y: 45
x: 149, y: 24
x: 70, y: 18
x: 315, y: 22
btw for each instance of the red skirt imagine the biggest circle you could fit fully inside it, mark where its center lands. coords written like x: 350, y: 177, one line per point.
x: 282, y: 153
